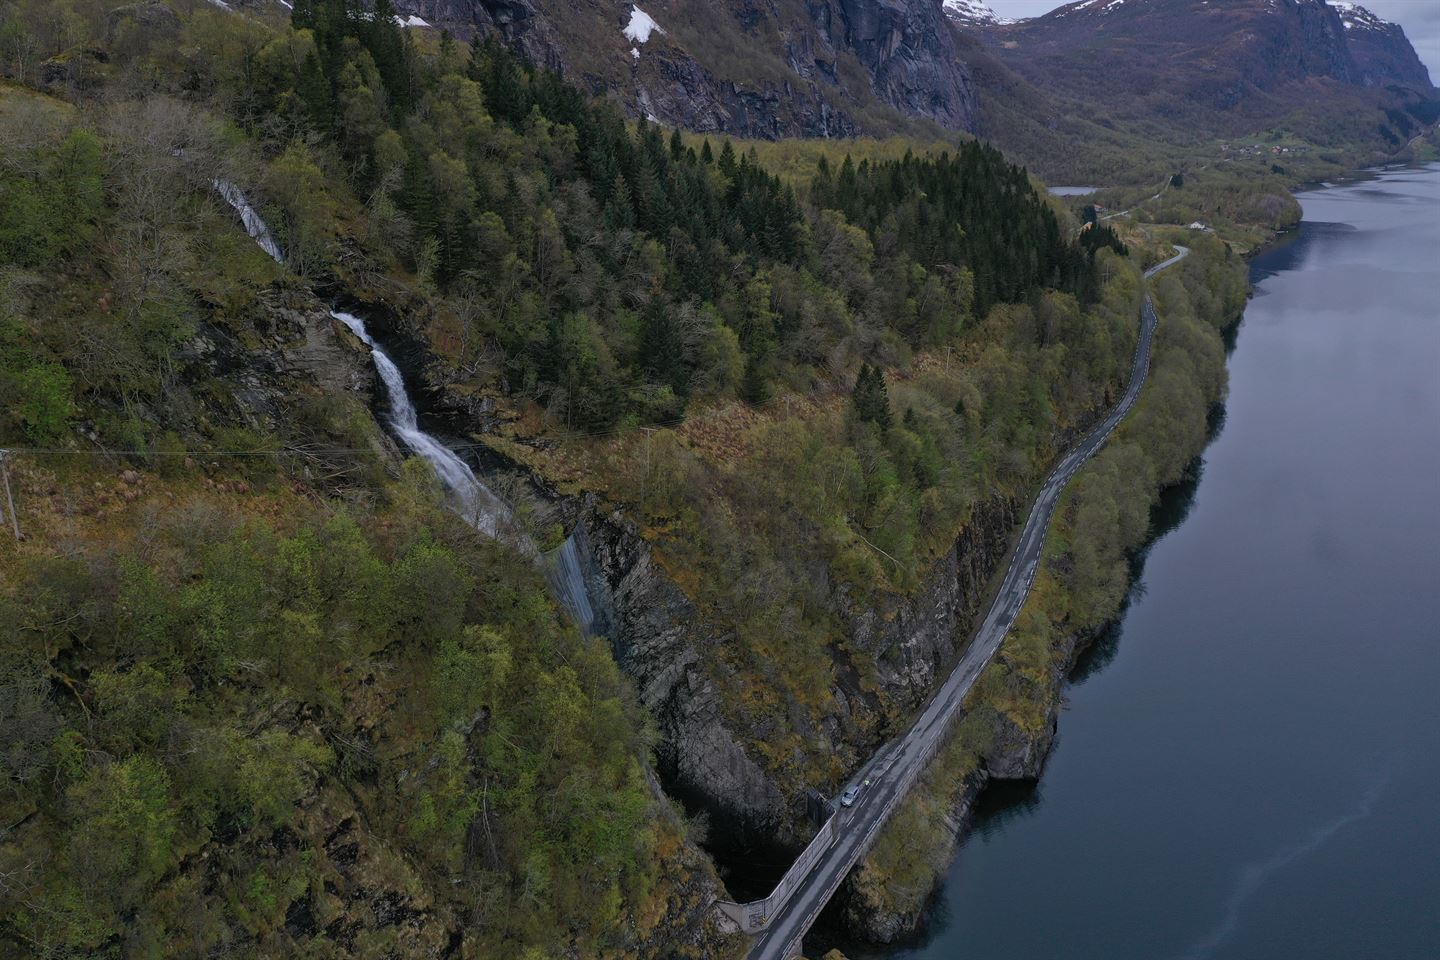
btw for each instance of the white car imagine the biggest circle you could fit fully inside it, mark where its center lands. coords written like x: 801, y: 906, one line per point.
x: 850, y: 795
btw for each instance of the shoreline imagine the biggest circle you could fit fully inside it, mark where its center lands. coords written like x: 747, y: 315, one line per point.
x: 975, y: 801
x: 952, y: 790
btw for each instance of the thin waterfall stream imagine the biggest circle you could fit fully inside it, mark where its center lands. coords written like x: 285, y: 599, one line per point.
x: 469, y: 496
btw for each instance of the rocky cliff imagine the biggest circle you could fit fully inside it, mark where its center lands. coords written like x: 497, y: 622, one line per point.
x: 1383, y: 54
x: 1065, y: 83
x: 1217, y: 53
x: 664, y: 644
x: 755, y: 68
x: 884, y: 909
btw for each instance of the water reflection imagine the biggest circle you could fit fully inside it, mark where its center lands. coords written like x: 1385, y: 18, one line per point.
x: 1167, y: 514
x: 1216, y: 791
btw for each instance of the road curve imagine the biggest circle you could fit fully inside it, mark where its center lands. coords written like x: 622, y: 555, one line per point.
x: 891, y: 767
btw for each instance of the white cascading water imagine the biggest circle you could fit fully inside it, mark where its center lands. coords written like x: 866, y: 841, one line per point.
x: 481, y: 508
x: 566, y: 574
x: 473, y: 500
x: 254, y: 225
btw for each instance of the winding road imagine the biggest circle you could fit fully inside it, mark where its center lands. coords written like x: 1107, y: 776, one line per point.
x: 893, y: 768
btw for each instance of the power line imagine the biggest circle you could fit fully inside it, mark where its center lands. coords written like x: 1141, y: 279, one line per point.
x: 568, y: 436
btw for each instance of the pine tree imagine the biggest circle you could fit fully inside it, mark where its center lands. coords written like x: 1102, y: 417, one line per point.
x: 314, y: 90
x: 870, y: 400
x: 620, y: 211
x: 662, y: 351
x: 727, y: 159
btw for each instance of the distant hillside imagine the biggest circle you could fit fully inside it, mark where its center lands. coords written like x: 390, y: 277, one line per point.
x: 1086, y: 84
x: 1217, y: 55
x: 1199, y: 68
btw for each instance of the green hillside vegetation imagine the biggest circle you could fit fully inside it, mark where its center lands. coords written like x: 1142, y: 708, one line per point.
x: 778, y: 520
x: 1103, y: 517
x: 272, y: 705
x: 264, y: 694
x: 216, y: 704
x: 559, y: 257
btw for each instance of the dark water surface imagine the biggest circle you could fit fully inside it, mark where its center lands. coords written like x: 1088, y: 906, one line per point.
x: 1250, y: 767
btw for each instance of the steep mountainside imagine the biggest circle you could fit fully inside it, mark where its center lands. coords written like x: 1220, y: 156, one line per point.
x: 1246, y: 60
x: 1382, y: 52
x: 757, y: 69
x: 1065, y: 92
x: 1260, y: 42
x: 1074, y: 91
x: 264, y: 693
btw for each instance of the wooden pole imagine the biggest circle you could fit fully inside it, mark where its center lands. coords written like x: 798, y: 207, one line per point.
x: 5, y: 471
x: 645, y: 477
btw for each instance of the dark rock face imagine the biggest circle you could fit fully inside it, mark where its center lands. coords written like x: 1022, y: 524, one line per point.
x: 519, y: 22
x: 916, y: 638
x: 910, y: 52
x: 905, y: 50
x: 674, y: 88
x: 1383, y: 54
x: 662, y: 644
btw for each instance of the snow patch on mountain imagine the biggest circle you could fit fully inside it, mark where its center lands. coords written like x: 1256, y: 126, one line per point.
x: 973, y: 11
x: 641, y: 26
x: 1352, y: 15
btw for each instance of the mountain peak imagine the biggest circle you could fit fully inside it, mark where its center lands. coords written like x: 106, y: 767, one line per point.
x: 1356, y: 17
x: 973, y: 12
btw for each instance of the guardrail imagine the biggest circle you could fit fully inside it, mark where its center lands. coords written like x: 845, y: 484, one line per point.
x: 755, y: 916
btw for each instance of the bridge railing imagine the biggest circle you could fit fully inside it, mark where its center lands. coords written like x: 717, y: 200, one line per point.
x: 755, y: 916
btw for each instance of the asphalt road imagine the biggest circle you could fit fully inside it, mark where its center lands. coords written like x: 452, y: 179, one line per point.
x: 893, y: 765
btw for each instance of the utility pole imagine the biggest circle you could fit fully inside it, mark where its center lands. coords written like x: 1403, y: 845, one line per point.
x: 645, y: 478
x: 5, y: 472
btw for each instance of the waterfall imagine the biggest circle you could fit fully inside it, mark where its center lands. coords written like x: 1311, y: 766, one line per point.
x: 566, y: 575
x: 254, y: 226
x: 474, y: 501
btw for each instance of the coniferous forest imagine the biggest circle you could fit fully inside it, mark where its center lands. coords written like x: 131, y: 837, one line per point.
x: 619, y: 268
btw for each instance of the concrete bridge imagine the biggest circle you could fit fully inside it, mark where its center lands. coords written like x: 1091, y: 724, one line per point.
x: 780, y: 921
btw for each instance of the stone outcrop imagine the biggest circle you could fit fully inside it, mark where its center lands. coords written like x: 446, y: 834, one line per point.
x: 915, y: 638
x: 300, y: 348
x: 1382, y: 53
x: 660, y: 643
x: 885, y: 916
x: 905, y: 51
x: 664, y: 645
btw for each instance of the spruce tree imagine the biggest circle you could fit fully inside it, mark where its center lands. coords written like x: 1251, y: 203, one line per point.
x: 870, y: 400
x: 727, y: 159
x: 880, y: 409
